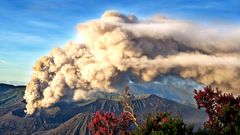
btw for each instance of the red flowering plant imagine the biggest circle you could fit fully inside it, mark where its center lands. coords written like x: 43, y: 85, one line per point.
x: 103, y: 124
x: 126, y: 102
x: 163, y: 124
x: 125, y: 122
x: 107, y: 124
x: 223, y: 110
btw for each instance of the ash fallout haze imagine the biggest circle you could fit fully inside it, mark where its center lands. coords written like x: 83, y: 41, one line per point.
x: 117, y: 43
x: 69, y: 51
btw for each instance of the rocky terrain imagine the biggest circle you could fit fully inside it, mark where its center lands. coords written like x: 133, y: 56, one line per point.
x: 71, y: 118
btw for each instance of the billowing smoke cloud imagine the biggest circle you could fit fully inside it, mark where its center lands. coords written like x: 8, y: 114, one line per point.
x: 117, y: 43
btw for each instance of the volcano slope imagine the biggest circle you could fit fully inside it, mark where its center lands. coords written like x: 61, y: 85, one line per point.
x: 72, y: 118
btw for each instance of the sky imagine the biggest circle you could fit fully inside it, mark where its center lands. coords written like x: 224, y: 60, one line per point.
x: 29, y: 29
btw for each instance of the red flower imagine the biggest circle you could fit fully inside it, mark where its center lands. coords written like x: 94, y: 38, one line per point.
x: 125, y: 122
x: 103, y: 124
x: 221, y: 108
x: 107, y: 124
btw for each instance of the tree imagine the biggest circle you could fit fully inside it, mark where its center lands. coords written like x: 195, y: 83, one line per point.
x: 126, y: 101
x: 223, y: 111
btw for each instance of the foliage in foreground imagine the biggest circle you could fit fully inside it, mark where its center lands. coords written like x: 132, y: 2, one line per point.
x: 164, y: 124
x: 103, y: 124
x: 223, y: 111
x: 161, y: 124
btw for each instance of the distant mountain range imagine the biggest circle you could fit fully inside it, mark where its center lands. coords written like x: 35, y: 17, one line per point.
x: 166, y: 86
x: 72, y: 118
x: 4, y: 87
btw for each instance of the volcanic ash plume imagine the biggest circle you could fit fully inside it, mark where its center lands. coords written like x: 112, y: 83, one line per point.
x: 117, y: 43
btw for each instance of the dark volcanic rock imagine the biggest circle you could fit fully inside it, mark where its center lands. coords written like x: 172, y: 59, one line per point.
x: 75, y: 126
x: 152, y: 104
x: 72, y: 118
x: 4, y: 87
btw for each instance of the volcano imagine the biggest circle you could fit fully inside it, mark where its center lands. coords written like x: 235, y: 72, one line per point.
x: 73, y: 117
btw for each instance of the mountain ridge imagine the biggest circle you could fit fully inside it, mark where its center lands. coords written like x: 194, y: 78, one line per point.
x: 66, y: 118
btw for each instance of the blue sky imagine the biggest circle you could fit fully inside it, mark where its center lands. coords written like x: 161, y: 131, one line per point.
x: 29, y: 29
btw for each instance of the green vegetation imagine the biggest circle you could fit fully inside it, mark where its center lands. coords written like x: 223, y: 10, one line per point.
x: 163, y: 124
x: 223, y: 111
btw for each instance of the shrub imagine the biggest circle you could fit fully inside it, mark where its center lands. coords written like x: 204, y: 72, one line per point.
x: 223, y: 111
x: 107, y: 124
x: 103, y: 124
x: 125, y: 122
x: 164, y: 124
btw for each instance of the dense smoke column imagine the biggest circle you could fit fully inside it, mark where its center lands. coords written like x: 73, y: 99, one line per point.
x: 117, y: 43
